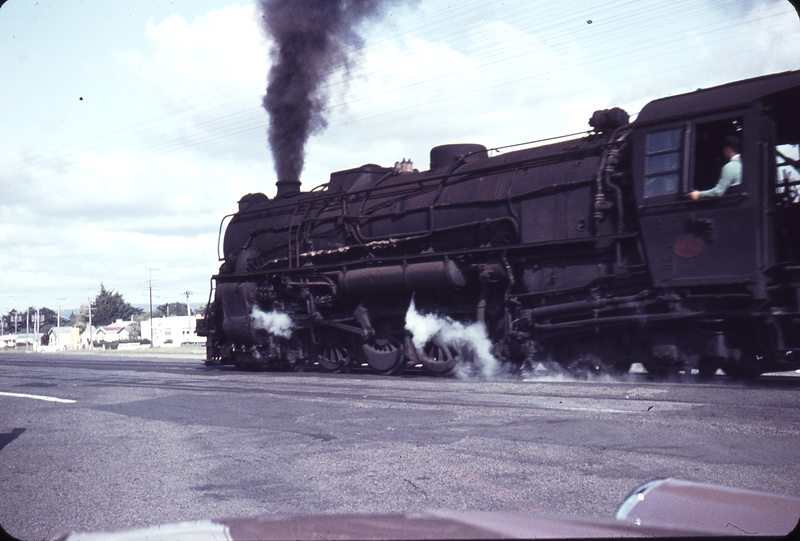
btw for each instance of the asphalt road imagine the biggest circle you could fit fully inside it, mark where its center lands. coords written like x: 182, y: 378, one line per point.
x: 150, y: 440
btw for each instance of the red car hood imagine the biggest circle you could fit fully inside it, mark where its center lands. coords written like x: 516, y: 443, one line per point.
x: 661, y: 508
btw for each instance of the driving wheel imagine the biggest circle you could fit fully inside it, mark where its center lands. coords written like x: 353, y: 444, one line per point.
x: 384, y: 352
x: 439, y: 358
x: 334, y: 350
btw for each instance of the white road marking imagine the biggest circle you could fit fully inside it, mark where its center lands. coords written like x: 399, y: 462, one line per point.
x: 39, y: 397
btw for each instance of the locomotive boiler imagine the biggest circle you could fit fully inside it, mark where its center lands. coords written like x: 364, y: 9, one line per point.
x: 584, y: 253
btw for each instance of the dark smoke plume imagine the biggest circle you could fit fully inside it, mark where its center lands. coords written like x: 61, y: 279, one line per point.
x: 312, y: 39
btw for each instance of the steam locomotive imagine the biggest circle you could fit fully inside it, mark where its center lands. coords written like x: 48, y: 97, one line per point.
x: 583, y: 254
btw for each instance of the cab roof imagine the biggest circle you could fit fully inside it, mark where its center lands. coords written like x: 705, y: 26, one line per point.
x: 719, y: 98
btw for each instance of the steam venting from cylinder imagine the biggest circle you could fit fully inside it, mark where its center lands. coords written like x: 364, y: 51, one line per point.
x: 470, y: 338
x: 311, y: 40
x: 274, y: 323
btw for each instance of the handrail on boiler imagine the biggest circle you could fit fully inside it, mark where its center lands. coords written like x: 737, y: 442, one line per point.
x: 228, y: 217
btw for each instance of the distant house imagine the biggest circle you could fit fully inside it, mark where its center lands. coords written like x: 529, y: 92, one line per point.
x: 119, y: 331
x: 18, y: 340
x: 88, y: 336
x: 61, y: 338
x: 116, y: 332
x: 8, y: 340
x: 175, y: 330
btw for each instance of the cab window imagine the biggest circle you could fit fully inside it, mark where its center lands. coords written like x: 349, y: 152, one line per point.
x: 708, y: 150
x: 663, y: 162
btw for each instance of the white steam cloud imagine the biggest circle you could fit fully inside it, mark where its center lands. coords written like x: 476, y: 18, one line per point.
x: 275, y: 323
x: 471, y: 339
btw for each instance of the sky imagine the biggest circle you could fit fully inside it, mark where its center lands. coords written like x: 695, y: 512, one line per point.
x: 129, y: 129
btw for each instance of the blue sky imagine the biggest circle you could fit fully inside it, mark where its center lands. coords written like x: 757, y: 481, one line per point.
x: 129, y: 129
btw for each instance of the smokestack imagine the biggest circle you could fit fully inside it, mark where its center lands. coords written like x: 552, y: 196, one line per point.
x: 311, y: 40
x: 287, y: 187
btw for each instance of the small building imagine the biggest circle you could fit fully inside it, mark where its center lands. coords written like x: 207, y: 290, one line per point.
x: 62, y: 338
x: 18, y: 340
x: 119, y: 331
x: 172, y: 331
x: 88, y: 337
x: 8, y: 340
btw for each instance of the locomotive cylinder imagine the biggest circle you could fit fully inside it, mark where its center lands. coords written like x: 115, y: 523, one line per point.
x: 428, y: 275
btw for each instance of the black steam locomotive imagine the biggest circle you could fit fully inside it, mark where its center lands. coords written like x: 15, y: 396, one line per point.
x: 584, y: 254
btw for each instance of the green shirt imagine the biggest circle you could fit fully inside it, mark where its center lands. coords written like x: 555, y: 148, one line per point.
x: 731, y: 175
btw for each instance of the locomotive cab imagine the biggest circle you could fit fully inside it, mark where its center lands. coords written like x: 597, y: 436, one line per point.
x: 729, y: 238
x: 730, y: 253
x: 711, y: 240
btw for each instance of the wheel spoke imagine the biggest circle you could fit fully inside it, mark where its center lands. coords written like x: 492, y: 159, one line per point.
x: 384, y: 353
x: 333, y: 352
x: 440, y: 359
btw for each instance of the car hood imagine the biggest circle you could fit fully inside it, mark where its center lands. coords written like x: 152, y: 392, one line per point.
x: 659, y: 508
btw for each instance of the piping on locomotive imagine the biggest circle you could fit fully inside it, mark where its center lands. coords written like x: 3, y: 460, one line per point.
x: 585, y: 253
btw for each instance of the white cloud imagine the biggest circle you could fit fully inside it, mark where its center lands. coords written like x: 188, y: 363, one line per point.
x: 221, y: 48
x: 152, y: 192
x: 719, y: 48
x: 415, y: 94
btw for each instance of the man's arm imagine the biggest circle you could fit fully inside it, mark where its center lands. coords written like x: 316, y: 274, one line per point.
x: 731, y: 175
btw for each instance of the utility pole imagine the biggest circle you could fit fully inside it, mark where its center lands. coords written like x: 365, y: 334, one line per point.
x: 188, y: 311
x: 91, y: 333
x: 58, y: 321
x: 17, y: 321
x: 91, y: 330
x: 150, y: 285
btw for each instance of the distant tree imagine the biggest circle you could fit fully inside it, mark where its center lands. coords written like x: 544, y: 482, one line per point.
x: 26, y: 319
x: 47, y: 319
x: 80, y: 319
x: 10, y: 318
x: 172, y: 309
x: 135, y: 330
x: 110, y: 306
x: 30, y: 317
